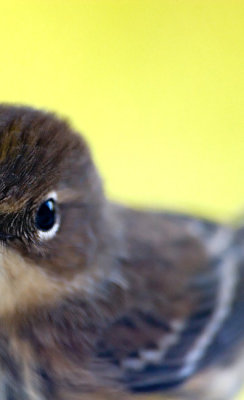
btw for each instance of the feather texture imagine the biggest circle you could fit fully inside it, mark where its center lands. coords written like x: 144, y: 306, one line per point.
x: 115, y: 302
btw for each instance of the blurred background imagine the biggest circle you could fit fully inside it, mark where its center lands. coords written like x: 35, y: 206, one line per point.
x: 156, y: 86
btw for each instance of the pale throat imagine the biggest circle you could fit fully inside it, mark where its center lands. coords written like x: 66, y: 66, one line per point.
x: 24, y: 285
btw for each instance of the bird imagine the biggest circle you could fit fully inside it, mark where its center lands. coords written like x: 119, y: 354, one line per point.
x: 104, y: 301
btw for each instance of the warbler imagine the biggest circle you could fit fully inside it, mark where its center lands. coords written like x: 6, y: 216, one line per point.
x: 102, y: 301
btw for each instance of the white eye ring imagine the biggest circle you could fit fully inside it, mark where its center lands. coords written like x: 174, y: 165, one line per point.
x: 49, y: 234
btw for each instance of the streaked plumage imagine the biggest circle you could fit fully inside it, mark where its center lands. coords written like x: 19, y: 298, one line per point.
x: 114, y: 302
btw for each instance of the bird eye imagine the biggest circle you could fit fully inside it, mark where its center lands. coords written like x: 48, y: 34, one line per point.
x: 47, y: 219
x: 45, y: 216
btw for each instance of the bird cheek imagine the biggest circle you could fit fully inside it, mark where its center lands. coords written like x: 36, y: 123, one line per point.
x: 24, y: 285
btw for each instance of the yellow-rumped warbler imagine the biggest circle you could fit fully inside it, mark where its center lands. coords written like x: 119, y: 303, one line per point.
x: 100, y: 301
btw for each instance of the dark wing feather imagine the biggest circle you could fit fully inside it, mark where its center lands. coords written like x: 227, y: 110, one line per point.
x: 152, y: 352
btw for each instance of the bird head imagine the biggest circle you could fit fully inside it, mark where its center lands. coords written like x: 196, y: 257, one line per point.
x: 52, y: 206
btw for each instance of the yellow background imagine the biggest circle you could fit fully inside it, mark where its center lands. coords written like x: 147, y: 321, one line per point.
x: 156, y: 86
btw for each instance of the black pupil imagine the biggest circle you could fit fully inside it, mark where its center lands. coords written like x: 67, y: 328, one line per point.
x: 45, y: 217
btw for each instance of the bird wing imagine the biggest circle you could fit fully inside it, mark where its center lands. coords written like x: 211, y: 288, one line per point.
x: 153, y: 350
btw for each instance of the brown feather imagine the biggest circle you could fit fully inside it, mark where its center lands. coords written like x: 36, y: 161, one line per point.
x: 112, y: 285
